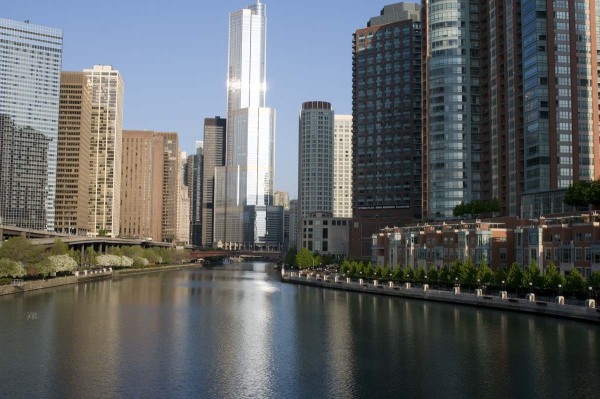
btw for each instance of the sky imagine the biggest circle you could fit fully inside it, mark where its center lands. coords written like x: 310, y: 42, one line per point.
x: 172, y: 56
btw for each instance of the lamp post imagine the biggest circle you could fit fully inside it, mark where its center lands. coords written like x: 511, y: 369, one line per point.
x: 559, y: 289
x: 589, y: 292
x: 503, y: 285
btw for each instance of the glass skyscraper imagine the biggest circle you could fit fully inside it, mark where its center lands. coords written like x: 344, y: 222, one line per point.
x: 30, y: 67
x: 244, y: 187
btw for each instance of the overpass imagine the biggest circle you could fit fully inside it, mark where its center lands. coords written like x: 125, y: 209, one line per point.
x: 14, y: 231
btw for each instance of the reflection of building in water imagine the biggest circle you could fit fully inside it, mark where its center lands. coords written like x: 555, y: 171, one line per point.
x: 30, y: 65
x: 23, y: 175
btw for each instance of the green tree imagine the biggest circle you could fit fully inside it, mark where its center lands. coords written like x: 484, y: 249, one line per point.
x: 484, y: 273
x: 458, y: 271
x: 304, y: 258
x: 102, y: 233
x: 387, y: 273
x: 379, y: 273
x: 575, y: 281
x: 553, y: 278
x: 76, y: 256
x: 500, y: 275
x: 89, y: 257
x: 290, y: 257
x: 58, y: 248
x: 11, y: 268
x: 398, y: 273
x: 433, y: 274
x: 594, y: 281
x: 369, y: 271
x: 515, y: 276
x: 153, y: 257
x: 533, y: 275
x: 470, y: 272
x: 420, y: 273
x: 445, y: 276
x: 21, y: 250
x: 409, y: 273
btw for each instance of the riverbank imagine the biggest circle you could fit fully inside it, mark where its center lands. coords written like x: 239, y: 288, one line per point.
x: 501, y: 302
x: 34, y: 285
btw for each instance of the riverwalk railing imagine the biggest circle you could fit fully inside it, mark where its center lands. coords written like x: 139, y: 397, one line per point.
x: 499, y: 300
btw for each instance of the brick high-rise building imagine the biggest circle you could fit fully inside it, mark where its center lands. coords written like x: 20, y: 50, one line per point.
x: 386, y: 137
x: 149, y: 185
x: 73, y: 166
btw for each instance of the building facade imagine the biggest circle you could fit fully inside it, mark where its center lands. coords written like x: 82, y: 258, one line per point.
x: 182, y: 235
x: 150, y: 185
x: 282, y: 198
x: 30, y: 67
x: 568, y: 241
x: 342, y: 166
x: 325, y: 234
x: 105, y: 150
x: 386, y: 131
x: 244, y: 187
x: 73, y: 162
x: 195, y: 179
x: 315, y: 158
x: 215, y: 130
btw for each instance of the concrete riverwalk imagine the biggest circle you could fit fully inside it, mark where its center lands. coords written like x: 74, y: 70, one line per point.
x: 501, y: 301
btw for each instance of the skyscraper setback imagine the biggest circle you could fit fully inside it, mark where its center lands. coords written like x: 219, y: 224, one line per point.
x: 30, y: 67
x: 244, y: 187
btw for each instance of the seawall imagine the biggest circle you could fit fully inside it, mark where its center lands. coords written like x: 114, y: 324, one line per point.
x: 582, y: 313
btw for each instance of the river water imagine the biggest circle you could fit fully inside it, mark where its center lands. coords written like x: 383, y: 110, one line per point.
x: 238, y: 332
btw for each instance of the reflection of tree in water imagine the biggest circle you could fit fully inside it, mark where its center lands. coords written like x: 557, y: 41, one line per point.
x: 23, y: 175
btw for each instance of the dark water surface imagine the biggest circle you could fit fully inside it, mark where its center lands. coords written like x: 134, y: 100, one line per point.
x: 237, y: 332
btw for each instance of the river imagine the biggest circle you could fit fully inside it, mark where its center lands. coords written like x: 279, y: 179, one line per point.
x: 236, y: 332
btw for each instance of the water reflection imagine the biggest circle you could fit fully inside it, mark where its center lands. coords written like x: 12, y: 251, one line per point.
x: 237, y: 331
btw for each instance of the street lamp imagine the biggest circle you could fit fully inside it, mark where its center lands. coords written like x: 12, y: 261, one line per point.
x: 502, y: 285
x: 589, y: 292
x: 559, y: 289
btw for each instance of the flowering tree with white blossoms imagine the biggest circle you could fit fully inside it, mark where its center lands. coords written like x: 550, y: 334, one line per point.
x: 62, y: 263
x: 11, y: 268
x: 114, y: 261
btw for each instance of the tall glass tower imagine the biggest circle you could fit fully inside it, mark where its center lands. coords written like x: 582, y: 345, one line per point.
x: 30, y: 67
x: 244, y: 187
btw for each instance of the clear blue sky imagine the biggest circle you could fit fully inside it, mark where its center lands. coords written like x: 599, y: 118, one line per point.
x: 173, y: 58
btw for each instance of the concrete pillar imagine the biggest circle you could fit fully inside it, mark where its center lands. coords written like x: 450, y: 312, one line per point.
x: 503, y: 295
x: 361, y: 281
x: 348, y: 280
x: 590, y: 303
x: 391, y: 284
x: 479, y: 292
x: 336, y: 279
x: 560, y: 300
x: 530, y: 297
x: 425, y: 287
x: 85, y: 272
x: 407, y: 286
x: 456, y: 290
x: 375, y: 283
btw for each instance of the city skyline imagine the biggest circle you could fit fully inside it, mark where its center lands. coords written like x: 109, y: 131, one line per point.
x: 195, y: 86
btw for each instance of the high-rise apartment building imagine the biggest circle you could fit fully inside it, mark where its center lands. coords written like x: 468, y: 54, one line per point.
x: 73, y: 161
x: 194, y: 179
x: 386, y: 132
x: 342, y: 166
x: 315, y: 158
x: 30, y: 67
x: 544, y: 97
x: 292, y: 215
x: 182, y: 235
x: 214, y: 156
x: 149, y: 197
x: 454, y: 135
x: 105, y: 149
x: 244, y: 187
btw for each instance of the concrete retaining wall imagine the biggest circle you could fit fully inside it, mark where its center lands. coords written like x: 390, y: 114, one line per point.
x: 513, y: 304
x: 38, y: 285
